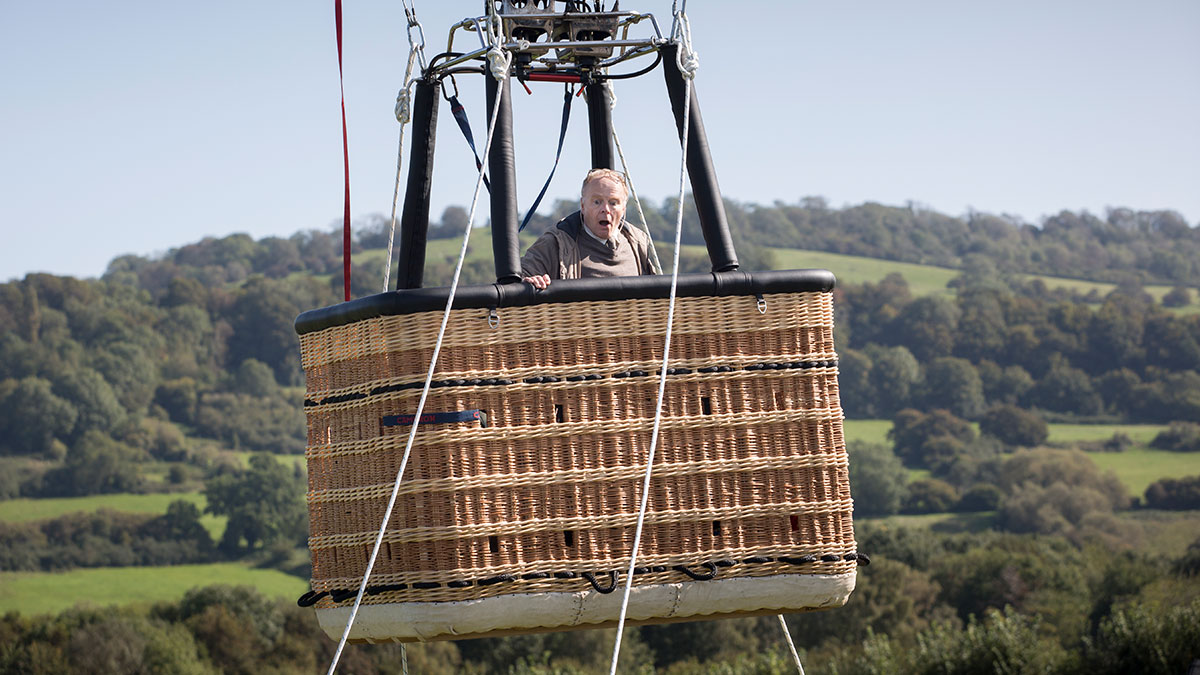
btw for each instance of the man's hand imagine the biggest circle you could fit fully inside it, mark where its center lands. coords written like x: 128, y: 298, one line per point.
x: 540, y: 281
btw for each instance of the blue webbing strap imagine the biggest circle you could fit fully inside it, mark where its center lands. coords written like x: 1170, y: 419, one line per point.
x: 562, y: 134
x: 460, y: 116
x: 433, y: 418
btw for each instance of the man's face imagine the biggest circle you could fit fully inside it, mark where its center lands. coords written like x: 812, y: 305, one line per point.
x: 603, y: 207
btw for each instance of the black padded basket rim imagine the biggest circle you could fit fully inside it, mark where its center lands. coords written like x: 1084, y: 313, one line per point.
x: 495, y: 296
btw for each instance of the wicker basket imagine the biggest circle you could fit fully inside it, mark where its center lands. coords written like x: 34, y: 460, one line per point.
x: 518, y: 507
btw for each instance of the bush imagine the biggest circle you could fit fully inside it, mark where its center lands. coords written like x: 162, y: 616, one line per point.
x: 107, y: 539
x: 929, y: 495
x: 980, y: 497
x: 1180, y: 296
x: 1177, y: 494
x: 876, y: 479
x: 1178, y: 437
x: 1140, y: 640
x: 1014, y: 426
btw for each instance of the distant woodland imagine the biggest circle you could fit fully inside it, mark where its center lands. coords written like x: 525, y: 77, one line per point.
x: 144, y: 379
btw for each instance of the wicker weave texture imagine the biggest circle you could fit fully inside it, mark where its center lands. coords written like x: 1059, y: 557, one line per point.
x: 751, y: 462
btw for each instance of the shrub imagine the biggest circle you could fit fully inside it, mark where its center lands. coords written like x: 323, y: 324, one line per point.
x: 1178, y: 437
x: 929, y: 495
x: 1140, y: 640
x: 1176, y: 494
x: 980, y: 497
x: 1014, y: 426
x: 876, y: 479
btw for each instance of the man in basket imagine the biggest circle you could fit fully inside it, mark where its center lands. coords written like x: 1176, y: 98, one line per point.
x: 595, y: 241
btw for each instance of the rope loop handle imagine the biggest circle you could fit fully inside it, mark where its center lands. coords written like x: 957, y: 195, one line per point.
x: 403, y: 108
x: 498, y: 62
x: 687, y: 59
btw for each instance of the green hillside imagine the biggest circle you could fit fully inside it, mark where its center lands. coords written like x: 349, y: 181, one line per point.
x: 33, y: 593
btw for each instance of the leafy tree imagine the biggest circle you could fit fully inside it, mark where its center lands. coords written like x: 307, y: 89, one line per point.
x: 1066, y: 389
x: 128, y: 368
x: 981, y: 324
x: 31, y: 416
x: 894, y: 377
x: 93, y: 399
x: 96, y: 464
x: 1014, y: 426
x: 262, y: 317
x: 1003, y: 385
x: 264, y: 503
x: 244, y: 421
x: 179, y: 398
x: 980, y: 497
x: 890, y: 598
x: 929, y: 495
x: 1055, y: 491
x: 876, y: 478
x: 953, y: 384
x: 1145, y: 640
x: 255, y: 378
x: 928, y: 327
x: 913, y: 430
x: 1179, y: 296
x: 854, y: 384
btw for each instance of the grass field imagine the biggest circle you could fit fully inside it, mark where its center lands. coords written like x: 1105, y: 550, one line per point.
x: 1141, y: 434
x: 1139, y: 467
x: 44, y: 593
x: 25, y: 510
x: 944, y: 522
x: 867, y: 431
x: 286, y: 460
x: 922, y: 279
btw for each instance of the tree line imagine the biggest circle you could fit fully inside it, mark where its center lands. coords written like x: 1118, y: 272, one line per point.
x: 928, y: 604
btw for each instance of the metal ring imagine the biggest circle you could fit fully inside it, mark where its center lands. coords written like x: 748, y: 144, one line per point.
x: 493, y: 319
x: 762, y: 305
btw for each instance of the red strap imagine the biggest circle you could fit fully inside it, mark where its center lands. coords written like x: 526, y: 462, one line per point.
x: 337, y: 10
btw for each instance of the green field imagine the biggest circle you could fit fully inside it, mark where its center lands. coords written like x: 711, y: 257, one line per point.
x: 1139, y: 467
x: 25, y: 510
x: 1140, y: 434
x: 46, y: 593
x: 922, y: 279
x: 867, y: 431
x: 286, y: 460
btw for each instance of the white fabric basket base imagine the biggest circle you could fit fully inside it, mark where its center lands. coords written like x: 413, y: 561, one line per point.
x: 537, y: 612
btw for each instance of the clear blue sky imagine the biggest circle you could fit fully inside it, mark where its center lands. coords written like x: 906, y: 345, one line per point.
x: 138, y: 126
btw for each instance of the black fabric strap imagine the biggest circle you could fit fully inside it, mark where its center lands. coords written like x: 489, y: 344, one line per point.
x: 460, y: 116
x: 562, y: 135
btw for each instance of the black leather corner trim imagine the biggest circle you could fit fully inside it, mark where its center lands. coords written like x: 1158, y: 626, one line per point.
x: 414, y: 300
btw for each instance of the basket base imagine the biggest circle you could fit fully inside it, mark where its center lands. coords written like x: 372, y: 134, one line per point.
x: 543, y: 612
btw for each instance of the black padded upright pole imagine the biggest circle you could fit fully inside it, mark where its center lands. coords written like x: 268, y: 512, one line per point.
x: 600, y: 126
x: 414, y: 219
x: 502, y: 168
x: 705, y: 190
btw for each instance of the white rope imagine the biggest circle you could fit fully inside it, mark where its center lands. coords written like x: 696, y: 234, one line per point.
x: 791, y: 645
x: 612, y: 103
x: 416, y: 50
x: 403, y: 114
x: 688, y: 60
x: 662, y: 379
x: 437, y: 348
